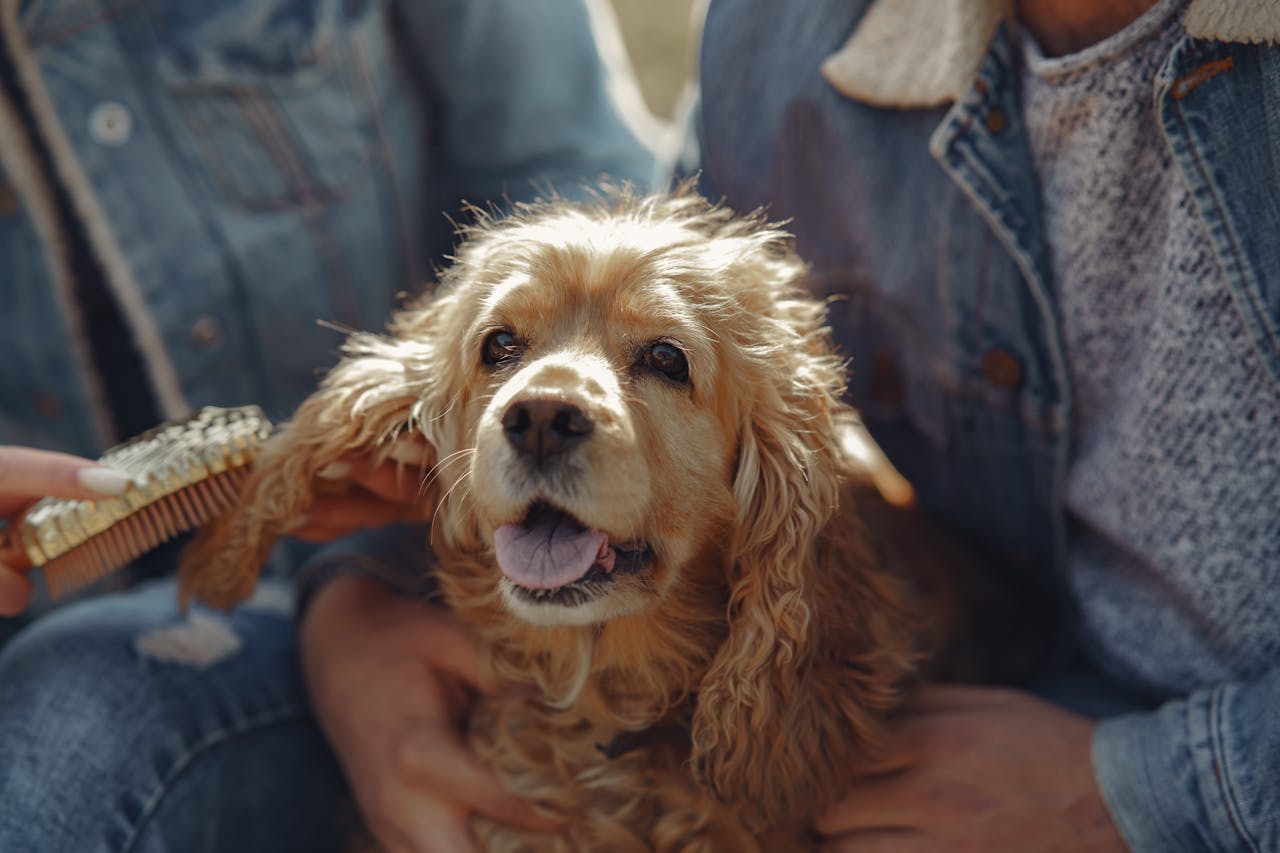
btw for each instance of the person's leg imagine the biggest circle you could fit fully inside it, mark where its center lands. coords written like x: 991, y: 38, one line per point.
x: 127, y: 726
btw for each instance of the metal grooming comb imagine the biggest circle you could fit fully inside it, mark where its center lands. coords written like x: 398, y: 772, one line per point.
x: 184, y: 475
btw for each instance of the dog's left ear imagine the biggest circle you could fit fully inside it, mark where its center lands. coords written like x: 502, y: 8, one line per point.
x: 783, y: 712
x: 385, y: 386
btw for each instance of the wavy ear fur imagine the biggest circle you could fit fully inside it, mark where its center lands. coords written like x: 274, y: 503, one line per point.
x: 817, y: 641
x: 384, y: 386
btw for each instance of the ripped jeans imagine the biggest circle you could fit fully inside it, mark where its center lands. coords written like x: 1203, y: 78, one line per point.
x: 127, y: 726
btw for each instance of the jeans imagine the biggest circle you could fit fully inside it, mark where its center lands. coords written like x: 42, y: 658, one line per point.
x: 126, y: 725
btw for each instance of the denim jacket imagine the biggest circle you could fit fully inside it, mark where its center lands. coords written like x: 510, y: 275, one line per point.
x: 246, y: 168
x: 897, y: 157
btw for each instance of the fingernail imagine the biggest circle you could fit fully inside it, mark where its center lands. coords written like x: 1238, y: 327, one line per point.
x: 104, y: 481
x: 335, y: 471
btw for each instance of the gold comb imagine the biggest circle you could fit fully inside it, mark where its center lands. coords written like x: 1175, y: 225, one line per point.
x: 183, y: 474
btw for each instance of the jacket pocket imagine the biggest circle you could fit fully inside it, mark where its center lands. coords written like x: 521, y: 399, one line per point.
x: 269, y: 97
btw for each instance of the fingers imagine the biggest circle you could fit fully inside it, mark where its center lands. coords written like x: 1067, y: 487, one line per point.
x: 415, y: 824
x: 933, y: 698
x: 335, y: 517
x: 15, y: 591
x: 455, y: 650
x: 437, y: 757
x: 354, y: 494
x: 390, y: 480
x: 27, y: 473
x: 880, y: 841
x: 878, y: 803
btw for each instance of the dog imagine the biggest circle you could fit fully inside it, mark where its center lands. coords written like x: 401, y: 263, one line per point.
x: 642, y: 497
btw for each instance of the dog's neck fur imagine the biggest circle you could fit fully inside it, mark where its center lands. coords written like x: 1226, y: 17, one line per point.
x: 629, y: 673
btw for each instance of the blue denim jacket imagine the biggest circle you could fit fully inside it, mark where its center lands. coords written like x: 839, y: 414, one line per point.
x: 923, y: 223
x: 246, y: 168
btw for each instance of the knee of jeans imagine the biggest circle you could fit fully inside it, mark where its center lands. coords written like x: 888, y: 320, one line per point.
x: 119, y: 666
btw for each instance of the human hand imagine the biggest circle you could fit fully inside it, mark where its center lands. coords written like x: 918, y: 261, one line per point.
x: 973, y: 768
x: 392, y: 680
x: 356, y: 493
x: 26, y: 475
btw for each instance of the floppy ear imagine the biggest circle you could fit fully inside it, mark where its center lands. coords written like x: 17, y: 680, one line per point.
x: 791, y: 699
x: 383, y: 387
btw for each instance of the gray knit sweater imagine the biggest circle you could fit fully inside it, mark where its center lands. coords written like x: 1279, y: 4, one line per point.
x: 1174, y: 475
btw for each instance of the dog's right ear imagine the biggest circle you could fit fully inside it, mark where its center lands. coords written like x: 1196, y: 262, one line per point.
x: 384, y: 387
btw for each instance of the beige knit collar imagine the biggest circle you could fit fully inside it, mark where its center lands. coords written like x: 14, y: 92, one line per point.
x: 924, y: 53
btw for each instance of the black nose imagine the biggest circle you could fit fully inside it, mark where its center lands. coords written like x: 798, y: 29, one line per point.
x: 541, y: 429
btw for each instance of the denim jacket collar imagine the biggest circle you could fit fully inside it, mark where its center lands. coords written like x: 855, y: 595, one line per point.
x: 924, y: 53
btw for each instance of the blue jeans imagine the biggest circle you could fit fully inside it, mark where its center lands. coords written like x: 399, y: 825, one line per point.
x: 128, y: 726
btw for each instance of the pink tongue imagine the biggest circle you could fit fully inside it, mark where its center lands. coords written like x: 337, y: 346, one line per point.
x: 549, y: 553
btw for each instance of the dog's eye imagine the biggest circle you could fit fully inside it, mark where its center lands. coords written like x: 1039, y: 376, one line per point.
x: 668, y: 360
x: 501, y: 347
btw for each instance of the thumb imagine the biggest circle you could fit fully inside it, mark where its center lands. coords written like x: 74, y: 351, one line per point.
x: 456, y: 650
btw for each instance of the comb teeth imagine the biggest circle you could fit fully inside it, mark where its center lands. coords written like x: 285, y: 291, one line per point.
x: 146, y: 529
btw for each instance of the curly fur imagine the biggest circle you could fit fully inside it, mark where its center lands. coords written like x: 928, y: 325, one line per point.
x: 768, y: 599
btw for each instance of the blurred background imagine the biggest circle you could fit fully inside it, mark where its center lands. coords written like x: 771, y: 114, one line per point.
x: 652, y: 48
x: 659, y: 36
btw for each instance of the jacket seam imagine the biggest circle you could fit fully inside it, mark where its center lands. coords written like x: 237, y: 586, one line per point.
x: 1223, y: 777
x: 1241, y: 288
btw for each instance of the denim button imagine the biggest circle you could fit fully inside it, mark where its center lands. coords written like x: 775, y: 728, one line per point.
x: 206, y: 332
x: 111, y: 123
x: 8, y: 200
x: 1002, y: 368
x: 997, y: 121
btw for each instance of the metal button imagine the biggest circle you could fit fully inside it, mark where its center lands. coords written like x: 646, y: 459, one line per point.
x: 111, y: 123
x: 997, y: 121
x: 1002, y: 368
x: 206, y: 332
x: 48, y: 406
x: 9, y: 201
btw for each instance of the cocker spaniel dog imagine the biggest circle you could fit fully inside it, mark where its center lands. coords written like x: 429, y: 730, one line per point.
x: 642, y: 500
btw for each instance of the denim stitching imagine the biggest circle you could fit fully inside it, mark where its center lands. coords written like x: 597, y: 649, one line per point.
x: 273, y: 718
x: 1225, y: 786
x: 275, y: 134
x: 61, y: 31
x: 1225, y: 226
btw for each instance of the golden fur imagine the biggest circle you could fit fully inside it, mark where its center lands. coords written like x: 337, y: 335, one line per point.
x: 769, y: 633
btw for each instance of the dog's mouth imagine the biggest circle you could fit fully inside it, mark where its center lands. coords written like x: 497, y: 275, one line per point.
x: 551, y: 557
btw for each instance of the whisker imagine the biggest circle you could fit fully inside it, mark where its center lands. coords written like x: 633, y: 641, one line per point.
x: 464, y: 479
x: 438, y: 469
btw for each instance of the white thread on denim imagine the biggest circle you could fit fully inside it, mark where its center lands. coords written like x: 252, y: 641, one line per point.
x: 200, y: 640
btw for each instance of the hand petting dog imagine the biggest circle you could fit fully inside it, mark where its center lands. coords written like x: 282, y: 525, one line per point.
x: 976, y: 768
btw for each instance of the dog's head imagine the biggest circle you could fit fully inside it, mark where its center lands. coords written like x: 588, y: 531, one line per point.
x: 618, y: 392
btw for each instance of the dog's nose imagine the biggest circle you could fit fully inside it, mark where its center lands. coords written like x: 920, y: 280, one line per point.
x: 542, y: 428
